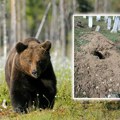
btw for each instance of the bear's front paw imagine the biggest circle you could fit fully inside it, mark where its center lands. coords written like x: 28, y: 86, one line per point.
x: 20, y: 110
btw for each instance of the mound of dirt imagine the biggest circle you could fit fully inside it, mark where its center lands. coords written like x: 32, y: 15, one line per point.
x: 96, y: 68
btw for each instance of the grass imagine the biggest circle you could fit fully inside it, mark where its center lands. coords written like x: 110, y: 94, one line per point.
x: 78, y: 43
x: 79, y: 31
x: 65, y: 107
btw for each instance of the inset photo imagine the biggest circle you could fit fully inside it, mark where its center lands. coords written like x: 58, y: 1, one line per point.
x: 96, y: 57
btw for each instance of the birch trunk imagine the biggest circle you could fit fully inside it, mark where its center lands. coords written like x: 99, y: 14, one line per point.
x: 0, y: 25
x: 54, y: 28
x: 74, y: 5
x: 23, y: 19
x: 4, y: 29
x: 62, y: 32
x: 18, y: 16
x: 13, y: 23
x: 102, y: 6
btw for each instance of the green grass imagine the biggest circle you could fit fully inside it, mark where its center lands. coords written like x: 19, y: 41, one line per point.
x: 65, y: 107
x: 3, y: 88
x: 78, y: 43
x: 79, y: 31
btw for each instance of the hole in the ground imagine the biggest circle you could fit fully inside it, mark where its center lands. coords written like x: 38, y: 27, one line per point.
x: 99, y: 54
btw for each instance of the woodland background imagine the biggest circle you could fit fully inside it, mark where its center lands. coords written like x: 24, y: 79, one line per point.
x: 20, y: 19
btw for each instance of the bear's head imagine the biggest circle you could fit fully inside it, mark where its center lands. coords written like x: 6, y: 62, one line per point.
x: 33, y: 57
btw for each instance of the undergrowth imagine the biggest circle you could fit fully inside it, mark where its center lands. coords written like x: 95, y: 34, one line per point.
x: 65, y: 107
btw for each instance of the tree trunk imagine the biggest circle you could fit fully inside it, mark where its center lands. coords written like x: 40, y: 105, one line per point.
x: 23, y: 19
x: 96, y: 6
x: 13, y: 23
x: 74, y: 5
x: 43, y: 21
x: 62, y: 32
x: 46, y: 31
x: 18, y: 16
x: 107, y: 4
x: 0, y: 25
x: 54, y: 28
x: 4, y: 29
x: 0, y: 35
x: 102, y: 6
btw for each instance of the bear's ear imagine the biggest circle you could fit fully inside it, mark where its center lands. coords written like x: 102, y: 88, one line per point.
x: 46, y: 45
x: 20, y: 47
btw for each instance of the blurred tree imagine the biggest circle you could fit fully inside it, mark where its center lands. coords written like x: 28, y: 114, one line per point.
x: 74, y: 5
x: 18, y: 20
x: 84, y: 6
x: 23, y: 19
x: 34, y: 12
x: 115, y: 6
x: 26, y: 15
x: 57, y: 26
x: 0, y: 24
x: 102, y: 6
x: 62, y: 28
x: 43, y: 21
x: 53, y: 31
x: 4, y: 29
x: 13, y: 23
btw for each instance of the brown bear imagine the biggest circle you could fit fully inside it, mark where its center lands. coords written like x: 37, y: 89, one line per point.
x: 30, y: 76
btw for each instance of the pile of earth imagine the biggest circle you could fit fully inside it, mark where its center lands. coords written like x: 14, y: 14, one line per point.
x: 96, y: 68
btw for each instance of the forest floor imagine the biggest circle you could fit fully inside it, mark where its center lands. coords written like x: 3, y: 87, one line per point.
x: 97, y: 61
x: 65, y: 107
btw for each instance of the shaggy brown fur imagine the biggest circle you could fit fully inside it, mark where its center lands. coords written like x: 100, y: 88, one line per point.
x: 30, y: 76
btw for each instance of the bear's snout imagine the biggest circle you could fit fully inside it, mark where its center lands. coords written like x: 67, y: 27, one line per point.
x: 34, y: 73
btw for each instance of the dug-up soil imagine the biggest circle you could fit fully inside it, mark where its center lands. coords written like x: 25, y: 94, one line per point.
x: 96, y: 68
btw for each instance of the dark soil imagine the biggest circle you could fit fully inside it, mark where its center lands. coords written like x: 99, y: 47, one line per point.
x: 96, y: 67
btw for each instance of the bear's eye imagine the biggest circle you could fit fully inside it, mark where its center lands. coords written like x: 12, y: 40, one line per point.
x: 41, y: 63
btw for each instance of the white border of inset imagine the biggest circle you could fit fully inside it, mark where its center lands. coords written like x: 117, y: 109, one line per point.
x: 97, y: 99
